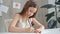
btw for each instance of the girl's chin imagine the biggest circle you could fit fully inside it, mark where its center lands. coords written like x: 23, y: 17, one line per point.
x: 29, y: 16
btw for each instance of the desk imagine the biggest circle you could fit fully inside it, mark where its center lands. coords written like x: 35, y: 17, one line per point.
x: 51, y: 31
x: 46, y: 31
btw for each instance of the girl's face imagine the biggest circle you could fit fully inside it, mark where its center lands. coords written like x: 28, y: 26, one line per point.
x: 31, y: 11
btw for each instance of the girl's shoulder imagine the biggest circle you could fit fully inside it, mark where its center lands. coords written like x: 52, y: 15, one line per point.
x: 17, y: 14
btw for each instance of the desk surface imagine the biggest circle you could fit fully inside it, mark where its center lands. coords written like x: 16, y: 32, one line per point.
x: 46, y: 31
x: 51, y: 31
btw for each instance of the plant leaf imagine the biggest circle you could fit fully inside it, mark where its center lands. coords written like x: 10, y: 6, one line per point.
x: 48, y: 6
x: 58, y: 19
x: 49, y: 16
x: 59, y: 10
x: 52, y: 23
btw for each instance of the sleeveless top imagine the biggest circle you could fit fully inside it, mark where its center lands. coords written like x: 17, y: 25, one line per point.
x: 26, y: 24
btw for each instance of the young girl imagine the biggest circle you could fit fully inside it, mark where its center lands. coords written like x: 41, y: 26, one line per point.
x: 22, y: 22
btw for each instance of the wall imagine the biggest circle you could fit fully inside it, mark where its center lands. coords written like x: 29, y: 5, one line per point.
x: 41, y: 12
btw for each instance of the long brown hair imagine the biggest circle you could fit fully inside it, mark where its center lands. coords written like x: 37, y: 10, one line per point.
x: 27, y: 5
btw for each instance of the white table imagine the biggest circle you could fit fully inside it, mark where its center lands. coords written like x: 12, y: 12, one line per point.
x: 51, y: 31
x: 46, y: 31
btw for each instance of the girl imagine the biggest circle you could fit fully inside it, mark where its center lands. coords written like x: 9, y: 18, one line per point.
x: 22, y: 22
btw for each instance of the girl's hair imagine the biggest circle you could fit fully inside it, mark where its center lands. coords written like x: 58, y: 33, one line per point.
x: 26, y: 6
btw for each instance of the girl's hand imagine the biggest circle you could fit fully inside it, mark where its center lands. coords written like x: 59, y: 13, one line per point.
x: 32, y: 29
x: 37, y: 31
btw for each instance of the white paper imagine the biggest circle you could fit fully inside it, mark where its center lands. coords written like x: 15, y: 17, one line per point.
x: 16, y: 5
x: 1, y: 1
x: 4, y: 8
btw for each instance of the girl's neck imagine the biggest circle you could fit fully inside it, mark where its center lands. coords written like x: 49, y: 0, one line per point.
x: 25, y: 17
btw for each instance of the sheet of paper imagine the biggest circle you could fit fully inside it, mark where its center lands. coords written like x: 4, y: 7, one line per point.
x: 1, y: 1
x: 16, y: 5
x: 4, y: 8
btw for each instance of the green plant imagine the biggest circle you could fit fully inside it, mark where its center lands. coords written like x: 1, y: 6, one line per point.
x: 52, y: 23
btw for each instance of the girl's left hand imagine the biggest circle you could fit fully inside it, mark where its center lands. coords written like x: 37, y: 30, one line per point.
x: 37, y: 31
x: 32, y: 29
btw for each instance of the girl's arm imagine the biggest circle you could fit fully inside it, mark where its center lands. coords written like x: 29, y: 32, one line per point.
x: 12, y: 26
x: 35, y: 22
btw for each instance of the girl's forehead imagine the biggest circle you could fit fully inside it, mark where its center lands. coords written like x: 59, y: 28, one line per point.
x: 32, y: 8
